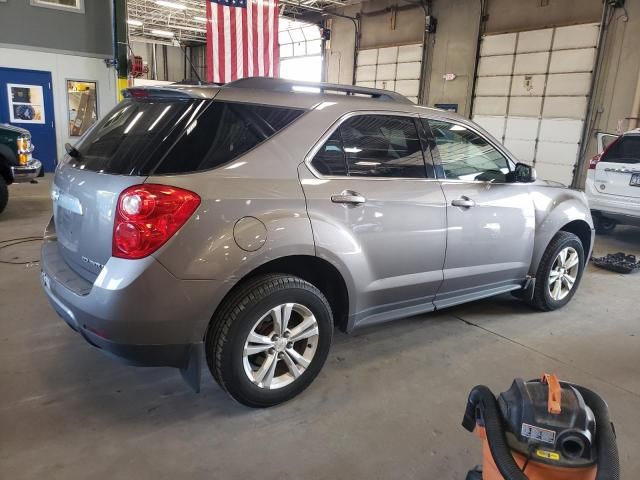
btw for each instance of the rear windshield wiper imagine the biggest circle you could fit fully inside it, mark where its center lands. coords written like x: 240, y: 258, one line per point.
x: 71, y: 150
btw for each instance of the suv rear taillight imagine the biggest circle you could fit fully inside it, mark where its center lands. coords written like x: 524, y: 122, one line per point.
x: 149, y: 215
x: 594, y: 161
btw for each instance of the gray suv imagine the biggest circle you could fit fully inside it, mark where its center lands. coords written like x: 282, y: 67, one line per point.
x: 242, y: 223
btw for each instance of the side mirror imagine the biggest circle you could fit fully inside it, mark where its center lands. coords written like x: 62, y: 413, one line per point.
x: 524, y: 173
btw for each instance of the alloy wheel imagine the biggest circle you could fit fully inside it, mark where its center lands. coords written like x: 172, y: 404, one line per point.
x: 564, y: 273
x: 280, y: 346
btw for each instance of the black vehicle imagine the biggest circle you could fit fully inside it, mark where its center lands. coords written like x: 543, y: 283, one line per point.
x: 16, y: 162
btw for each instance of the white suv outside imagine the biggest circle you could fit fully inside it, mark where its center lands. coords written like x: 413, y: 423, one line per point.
x: 613, y: 181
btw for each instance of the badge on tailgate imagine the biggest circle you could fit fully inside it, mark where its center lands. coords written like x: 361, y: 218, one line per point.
x: 635, y: 180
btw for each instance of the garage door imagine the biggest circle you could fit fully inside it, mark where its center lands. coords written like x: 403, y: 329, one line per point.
x: 391, y: 68
x: 532, y: 91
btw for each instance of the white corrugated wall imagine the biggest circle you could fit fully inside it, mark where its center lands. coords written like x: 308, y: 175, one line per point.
x: 391, y: 68
x: 532, y: 91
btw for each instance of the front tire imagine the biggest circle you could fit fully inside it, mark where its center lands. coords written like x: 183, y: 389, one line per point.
x: 559, y: 273
x: 4, y: 194
x: 269, y: 339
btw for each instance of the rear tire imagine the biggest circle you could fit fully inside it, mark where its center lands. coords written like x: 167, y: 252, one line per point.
x: 559, y: 272
x: 604, y: 225
x: 247, y: 321
x: 4, y: 194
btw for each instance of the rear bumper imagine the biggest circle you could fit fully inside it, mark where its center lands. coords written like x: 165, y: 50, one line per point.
x: 135, y: 310
x: 26, y: 173
x: 622, y: 209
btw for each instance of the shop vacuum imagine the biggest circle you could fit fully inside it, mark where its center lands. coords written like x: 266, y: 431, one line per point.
x: 542, y: 430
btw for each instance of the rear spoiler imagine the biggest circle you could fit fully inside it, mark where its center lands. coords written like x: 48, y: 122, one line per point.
x: 171, y: 92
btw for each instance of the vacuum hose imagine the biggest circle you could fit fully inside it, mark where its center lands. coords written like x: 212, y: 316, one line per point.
x: 483, y: 400
x: 608, y: 460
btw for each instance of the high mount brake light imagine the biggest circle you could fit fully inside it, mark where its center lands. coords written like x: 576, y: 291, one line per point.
x: 147, y: 216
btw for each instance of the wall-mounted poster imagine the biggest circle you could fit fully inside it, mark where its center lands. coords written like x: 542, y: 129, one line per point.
x: 26, y: 104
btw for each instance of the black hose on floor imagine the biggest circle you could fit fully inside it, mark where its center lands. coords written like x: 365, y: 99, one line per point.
x: 17, y: 241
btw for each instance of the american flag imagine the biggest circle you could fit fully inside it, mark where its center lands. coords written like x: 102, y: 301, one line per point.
x: 242, y: 39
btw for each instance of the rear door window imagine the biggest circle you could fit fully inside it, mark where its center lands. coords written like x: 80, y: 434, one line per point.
x: 223, y: 132
x: 625, y: 150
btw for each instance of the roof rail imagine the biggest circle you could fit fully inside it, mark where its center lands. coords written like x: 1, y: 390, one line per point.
x: 282, y: 85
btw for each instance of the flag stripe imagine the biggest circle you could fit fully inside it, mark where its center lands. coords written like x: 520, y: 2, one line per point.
x: 227, y: 43
x: 233, y: 44
x: 239, y: 43
x: 250, y: 17
x: 210, y: 55
x: 221, y: 44
x: 270, y: 34
x: 261, y: 33
x: 275, y: 46
x: 245, y: 44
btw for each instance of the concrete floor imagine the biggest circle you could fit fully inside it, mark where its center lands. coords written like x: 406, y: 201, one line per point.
x: 388, y: 403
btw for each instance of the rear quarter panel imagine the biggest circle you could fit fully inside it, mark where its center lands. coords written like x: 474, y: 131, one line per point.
x: 262, y: 184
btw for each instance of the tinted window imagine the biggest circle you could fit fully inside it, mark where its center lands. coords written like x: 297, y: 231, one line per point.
x: 131, y: 134
x: 381, y: 146
x: 330, y: 158
x: 222, y: 133
x: 464, y: 155
x: 625, y: 150
x: 177, y: 136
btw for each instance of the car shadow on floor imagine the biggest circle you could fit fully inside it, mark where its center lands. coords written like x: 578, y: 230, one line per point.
x: 25, y: 208
x: 97, y: 385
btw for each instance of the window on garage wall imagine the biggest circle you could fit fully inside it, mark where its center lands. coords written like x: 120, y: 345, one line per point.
x: 532, y: 90
x: 391, y: 68
x: 82, y: 105
x: 300, y: 51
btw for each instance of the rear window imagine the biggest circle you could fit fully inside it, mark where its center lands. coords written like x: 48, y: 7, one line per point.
x: 141, y: 137
x: 222, y: 133
x: 131, y: 134
x: 625, y: 150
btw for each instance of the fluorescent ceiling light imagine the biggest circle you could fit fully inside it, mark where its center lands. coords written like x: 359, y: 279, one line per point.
x: 162, y: 33
x: 457, y: 128
x: 133, y: 21
x: 165, y: 3
x: 200, y: 19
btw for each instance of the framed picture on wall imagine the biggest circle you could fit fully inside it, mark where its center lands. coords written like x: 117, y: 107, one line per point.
x: 82, y: 104
x: 76, y: 6
x: 26, y: 104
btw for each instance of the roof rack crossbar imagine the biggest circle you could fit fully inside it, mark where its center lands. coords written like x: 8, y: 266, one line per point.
x: 281, y: 85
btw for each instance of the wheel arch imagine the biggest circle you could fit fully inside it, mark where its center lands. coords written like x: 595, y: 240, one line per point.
x: 571, y: 216
x: 315, y: 270
x: 582, y: 230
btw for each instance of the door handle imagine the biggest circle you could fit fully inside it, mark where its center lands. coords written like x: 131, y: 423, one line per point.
x: 464, y: 202
x: 348, y: 196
